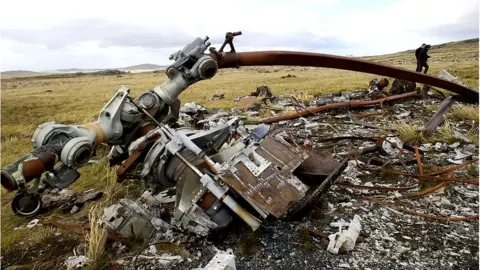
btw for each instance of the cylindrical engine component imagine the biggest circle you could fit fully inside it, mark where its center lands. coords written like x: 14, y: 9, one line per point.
x: 26, y: 204
x: 207, y: 67
x: 216, y: 210
x: 32, y: 165
x: 177, y: 171
x: 130, y: 113
x: 148, y: 100
x: 170, y: 90
x: 76, y: 152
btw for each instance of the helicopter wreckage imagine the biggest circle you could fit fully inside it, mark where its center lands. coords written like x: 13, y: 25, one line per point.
x: 218, y: 173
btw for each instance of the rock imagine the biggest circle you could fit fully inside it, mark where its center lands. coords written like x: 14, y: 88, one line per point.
x: 402, y: 86
x: 216, y: 97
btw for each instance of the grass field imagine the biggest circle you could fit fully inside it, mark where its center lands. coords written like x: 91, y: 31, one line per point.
x: 25, y: 103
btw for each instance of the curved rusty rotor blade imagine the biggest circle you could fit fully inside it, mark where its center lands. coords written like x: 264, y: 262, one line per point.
x: 288, y: 58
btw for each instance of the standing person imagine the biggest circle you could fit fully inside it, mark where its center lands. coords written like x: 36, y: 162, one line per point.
x: 417, y: 56
x: 423, y: 59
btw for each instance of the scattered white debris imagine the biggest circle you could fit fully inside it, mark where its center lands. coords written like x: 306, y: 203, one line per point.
x: 160, y: 198
x: 73, y: 262
x: 33, y: 223
x: 454, y: 145
x: 223, y: 260
x: 345, y: 239
x: 440, y: 146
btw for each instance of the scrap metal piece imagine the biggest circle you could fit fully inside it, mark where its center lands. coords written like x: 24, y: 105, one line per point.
x: 316, y: 167
x: 221, y: 261
x: 357, y: 121
x: 390, y: 145
x: 437, y: 119
x: 318, y: 193
x: 275, y: 188
x: 130, y: 219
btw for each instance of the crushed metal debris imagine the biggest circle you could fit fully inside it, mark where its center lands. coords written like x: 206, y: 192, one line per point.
x: 207, y: 174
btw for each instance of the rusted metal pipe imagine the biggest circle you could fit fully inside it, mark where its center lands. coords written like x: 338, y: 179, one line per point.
x: 426, y: 191
x: 288, y: 58
x: 447, y: 179
x: 350, y: 104
x: 373, y: 187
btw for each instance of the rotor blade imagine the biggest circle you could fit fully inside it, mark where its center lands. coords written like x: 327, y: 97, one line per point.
x: 288, y: 58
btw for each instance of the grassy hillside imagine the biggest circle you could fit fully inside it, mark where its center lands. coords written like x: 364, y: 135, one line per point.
x: 28, y: 102
x: 21, y: 73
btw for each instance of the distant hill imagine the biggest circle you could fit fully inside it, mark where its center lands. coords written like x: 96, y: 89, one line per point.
x: 143, y: 67
x: 21, y: 73
x: 457, y: 51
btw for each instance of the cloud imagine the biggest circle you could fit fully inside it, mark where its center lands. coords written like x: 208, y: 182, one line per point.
x: 51, y: 34
x: 109, y: 34
x: 98, y: 30
x: 466, y: 26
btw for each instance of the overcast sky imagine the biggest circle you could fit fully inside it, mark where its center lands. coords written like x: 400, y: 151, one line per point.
x: 48, y: 34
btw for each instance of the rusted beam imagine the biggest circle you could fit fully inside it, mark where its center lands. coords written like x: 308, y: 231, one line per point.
x: 350, y: 104
x: 286, y: 58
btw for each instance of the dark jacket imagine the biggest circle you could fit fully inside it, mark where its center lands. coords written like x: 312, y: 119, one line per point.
x: 424, y: 55
x: 417, y: 52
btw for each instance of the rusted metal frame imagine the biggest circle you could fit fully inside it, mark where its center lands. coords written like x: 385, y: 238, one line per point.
x: 288, y: 58
x: 350, y: 104
x: 228, y: 40
x: 320, y: 190
x: 121, y: 172
x: 411, y: 212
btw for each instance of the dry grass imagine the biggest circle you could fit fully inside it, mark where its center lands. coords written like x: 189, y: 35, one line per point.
x: 464, y: 112
x: 96, y: 238
x: 445, y: 133
x: 409, y: 133
x: 25, y: 104
x: 473, y: 135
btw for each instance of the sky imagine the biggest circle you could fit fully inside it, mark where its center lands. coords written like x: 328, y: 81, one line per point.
x: 49, y: 34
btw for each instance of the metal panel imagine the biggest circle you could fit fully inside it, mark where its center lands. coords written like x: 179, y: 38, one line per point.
x: 275, y: 189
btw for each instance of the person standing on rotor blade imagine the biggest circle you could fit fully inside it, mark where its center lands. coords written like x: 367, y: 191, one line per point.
x: 417, y: 56
x: 424, y: 58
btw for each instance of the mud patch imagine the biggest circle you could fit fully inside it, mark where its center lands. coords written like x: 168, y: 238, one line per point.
x: 48, y: 254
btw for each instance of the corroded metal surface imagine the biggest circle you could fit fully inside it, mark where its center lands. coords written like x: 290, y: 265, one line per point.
x: 275, y: 188
x: 317, y: 167
x: 286, y: 58
x: 317, y: 193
